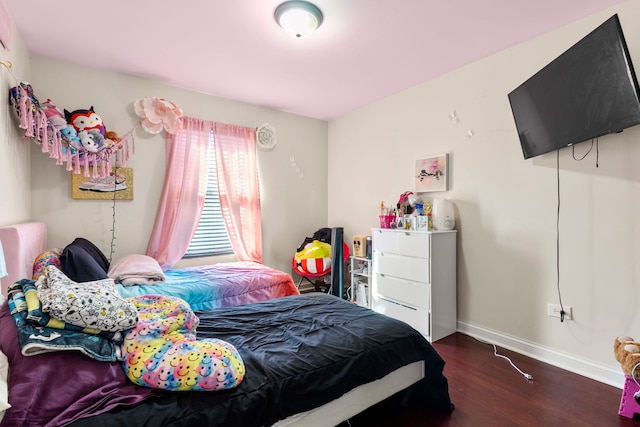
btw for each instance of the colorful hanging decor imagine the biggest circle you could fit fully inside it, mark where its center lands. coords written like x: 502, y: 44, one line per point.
x: 158, y: 114
x: 78, y: 138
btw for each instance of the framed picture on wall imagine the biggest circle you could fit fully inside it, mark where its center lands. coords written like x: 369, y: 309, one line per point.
x: 118, y: 185
x: 432, y: 173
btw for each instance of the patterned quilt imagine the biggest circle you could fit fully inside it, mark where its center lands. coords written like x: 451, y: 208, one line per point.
x: 34, y: 338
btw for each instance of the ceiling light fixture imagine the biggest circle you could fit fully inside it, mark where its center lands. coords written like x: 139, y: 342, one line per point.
x: 298, y: 18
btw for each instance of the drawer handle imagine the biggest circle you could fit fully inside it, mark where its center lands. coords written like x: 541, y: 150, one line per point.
x: 398, y: 303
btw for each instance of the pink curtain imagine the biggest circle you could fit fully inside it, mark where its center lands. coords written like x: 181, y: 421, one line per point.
x: 185, y: 187
x: 183, y: 193
x: 239, y: 190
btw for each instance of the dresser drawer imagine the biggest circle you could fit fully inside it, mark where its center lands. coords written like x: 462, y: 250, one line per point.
x: 402, y: 290
x: 417, y: 318
x: 413, y: 244
x: 404, y: 267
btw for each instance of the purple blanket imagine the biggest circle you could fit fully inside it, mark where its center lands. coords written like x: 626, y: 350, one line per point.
x: 93, y: 387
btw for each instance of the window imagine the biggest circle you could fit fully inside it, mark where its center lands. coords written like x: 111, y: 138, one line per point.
x: 211, y: 237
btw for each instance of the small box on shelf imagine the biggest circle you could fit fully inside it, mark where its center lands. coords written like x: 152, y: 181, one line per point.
x: 360, y: 245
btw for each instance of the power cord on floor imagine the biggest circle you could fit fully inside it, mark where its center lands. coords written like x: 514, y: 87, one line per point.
x: 529, y: 377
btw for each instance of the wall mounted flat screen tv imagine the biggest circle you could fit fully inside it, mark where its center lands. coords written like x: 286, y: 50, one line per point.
x: 589, y: 91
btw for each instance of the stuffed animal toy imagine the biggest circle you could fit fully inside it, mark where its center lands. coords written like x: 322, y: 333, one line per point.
x: 28, y: 91
x: 627, y: 352
x: 111, y: 138
x: 85, y: 120
x: 69, y: 133
x: 91, y: 140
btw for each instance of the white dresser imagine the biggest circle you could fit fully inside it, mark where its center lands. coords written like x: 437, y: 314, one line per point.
x: 414, y: 279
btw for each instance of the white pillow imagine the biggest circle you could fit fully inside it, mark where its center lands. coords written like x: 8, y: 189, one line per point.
x: 136, y: 269
x: 4, y: 384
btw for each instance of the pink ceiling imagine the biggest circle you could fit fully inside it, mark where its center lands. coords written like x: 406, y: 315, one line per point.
x: 365, y: 50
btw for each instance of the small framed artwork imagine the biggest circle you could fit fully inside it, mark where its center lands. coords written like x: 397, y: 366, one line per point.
x: 432, y: 173
x: 118, y: 185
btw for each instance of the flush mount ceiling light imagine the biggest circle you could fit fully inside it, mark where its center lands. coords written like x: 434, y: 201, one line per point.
x: 298, y: 18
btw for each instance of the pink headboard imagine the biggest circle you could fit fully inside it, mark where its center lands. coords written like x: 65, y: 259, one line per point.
x: 21, y: 243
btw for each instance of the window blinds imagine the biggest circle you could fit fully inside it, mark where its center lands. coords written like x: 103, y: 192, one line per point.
x: 211, y: 237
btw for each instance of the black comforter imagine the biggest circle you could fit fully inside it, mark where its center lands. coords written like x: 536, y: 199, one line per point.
x: 300, y: 352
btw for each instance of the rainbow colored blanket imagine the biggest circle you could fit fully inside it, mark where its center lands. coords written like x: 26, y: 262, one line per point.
x: 162, y: 351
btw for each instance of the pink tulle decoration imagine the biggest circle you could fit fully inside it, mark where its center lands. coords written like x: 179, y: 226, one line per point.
x: 158, y: 114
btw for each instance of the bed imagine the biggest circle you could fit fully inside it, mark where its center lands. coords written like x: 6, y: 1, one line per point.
x: 311, y: 360
x: 219, y: 285
x: 203, y: 287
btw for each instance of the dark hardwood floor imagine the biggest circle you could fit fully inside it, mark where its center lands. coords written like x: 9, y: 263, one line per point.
x: 487, y: 391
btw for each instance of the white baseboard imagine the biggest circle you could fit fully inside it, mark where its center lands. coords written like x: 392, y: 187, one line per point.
x: 586, y: 368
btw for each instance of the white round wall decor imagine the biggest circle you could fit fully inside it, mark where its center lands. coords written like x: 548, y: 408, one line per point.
x: 266, y: 136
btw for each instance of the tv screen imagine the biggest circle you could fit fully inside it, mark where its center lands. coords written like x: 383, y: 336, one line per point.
x: 588, y: 91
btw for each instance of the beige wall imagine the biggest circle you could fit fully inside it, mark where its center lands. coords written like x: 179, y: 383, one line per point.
x: 506, y: 206
x: 293, y: 202
x: 15, y: 187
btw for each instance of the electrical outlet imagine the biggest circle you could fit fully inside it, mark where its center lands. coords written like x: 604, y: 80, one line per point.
x: 553, y: 310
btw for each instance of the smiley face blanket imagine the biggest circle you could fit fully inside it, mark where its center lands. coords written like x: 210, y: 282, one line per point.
x: 162, y: 351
